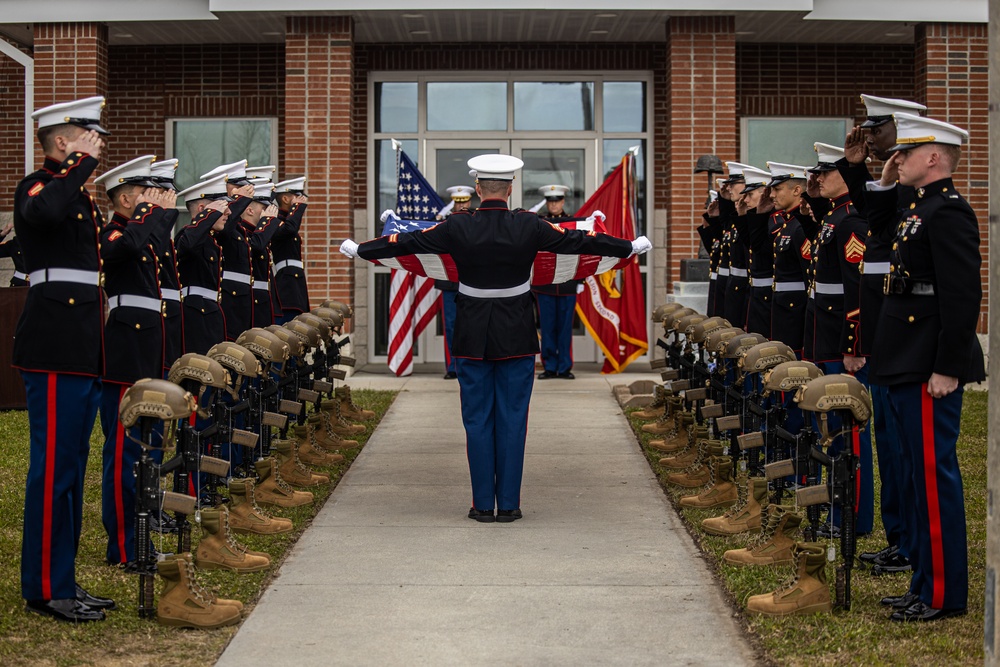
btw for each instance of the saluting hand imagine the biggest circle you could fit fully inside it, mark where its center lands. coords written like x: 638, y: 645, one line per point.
x: 812, y: 185
x: 244, y: 190
x: 270, y: 211
x: 713, y: 209
x: 940, y: 386
x: 855, y: 146
x: 766, y: 204
x: 890, y: 171
x: 300, y: 199
x: 89, y: 142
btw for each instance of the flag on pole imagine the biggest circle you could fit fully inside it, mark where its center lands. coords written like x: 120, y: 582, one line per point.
x: 413, y: 300
x: 613, y: 304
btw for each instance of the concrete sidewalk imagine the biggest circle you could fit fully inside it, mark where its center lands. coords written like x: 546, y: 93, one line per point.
x: 392, y: 572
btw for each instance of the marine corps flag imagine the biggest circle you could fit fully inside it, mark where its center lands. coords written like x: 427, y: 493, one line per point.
x: 613, y: 304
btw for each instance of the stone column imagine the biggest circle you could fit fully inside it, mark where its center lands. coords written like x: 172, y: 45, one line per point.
x: 992, y: 629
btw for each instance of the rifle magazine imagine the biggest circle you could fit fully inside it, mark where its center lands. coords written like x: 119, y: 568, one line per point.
x: 779, y: 469
x: 214, y: 466
x: 244, y: 438
x: 179, y: 502
x: 813, y: 495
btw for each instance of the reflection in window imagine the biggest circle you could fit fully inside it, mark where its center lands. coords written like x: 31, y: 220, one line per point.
x: 385, y: 173
x: 790, y: 140
x: 553, y: 105
x: 624, y: 106
x: 396, y: 106
x: 203, y: 145
x: 465, y: 106
x: 453, y: 169
x: 614, y: 151
x: 553, y: 166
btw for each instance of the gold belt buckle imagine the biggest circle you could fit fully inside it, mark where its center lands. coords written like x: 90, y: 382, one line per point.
x: 861, y: 267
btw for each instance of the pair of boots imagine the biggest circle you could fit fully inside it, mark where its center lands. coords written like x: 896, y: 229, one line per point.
x: 775, y: 544
x: 722, y: 491
x: 290, y: 467
x: 274, y: 491
x: 185, y: 603
x: 672, y: 421
x: 219, y: 549
x: 659, y: 409
x: 315, y: 447
x: 743, y: 517
x: 685, y: 435
x: 694, y: 465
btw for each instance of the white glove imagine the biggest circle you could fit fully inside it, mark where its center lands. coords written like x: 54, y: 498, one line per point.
x: 386, y: 214
x: 641, y: 245
x: 579, y: 289
x: 599, y: 215
x: 349, y: 248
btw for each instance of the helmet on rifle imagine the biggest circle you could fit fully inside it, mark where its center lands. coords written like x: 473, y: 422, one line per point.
x: 763, y: 356
x: 155, y: 399
x: 662, y: 311
x: 265, y: 345
x: 202, y: 369
x: 332, y: 317
x: 685, y: 323
x: 294, y: 343
x: 308, y: 335
x: 324, y: 328
x: 719, y: 339
x: 699, y: 332
x: 345, y: 310
x: 738, y: 345
x: 236, y: 358
x: 836, y: 392
x: 671, y: 319
x: 790, y: 375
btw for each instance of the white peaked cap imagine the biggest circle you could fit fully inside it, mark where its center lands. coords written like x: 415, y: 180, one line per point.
x: 134, y: 171
x: 553, y: 191
x: 912, y: 131
x: 214, y: 188
x: 164, y: 168
x: 879, y: 109
x: 263, y: 188
x: 826, y: 157
x: 85, y: 113
x: 261, y: 172
x: 719, y: 182
x: 232, y: 172
x: 783, y: 172
x: 735, y: 170
x: 461, y: 192
x: 755, y: 178
x: 495, y: 167
x: 293, y: 185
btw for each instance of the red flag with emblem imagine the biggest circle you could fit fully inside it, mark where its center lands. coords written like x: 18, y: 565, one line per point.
x: 613, y: 304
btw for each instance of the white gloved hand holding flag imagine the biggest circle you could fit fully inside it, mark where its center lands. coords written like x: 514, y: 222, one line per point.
x: 641, y: 245
x: 349, y: 248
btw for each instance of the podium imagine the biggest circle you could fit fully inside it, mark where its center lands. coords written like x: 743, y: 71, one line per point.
x: 11, y: 385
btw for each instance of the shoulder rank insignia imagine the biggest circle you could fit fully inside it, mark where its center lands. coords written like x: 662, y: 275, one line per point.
x: 806, y: 250
x: 36, y: 188
x: 561, y: 230
x: 115, y: 235
x: 854, y: 249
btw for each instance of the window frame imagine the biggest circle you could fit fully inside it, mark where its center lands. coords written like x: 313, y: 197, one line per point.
x: 169, y: 132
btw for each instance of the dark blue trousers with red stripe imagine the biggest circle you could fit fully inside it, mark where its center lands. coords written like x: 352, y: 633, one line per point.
x: 555, y: 319
x: 118, y: 478
x: 928, y: 430
x: 896, y: 510
x: 61, y: 411
x: 495, y: 397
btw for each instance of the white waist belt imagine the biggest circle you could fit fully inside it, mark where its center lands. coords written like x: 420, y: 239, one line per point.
x: 262, y: 285
x: 202, y: 292
x: 133, y: 301
x: 761, y: 282
x: 78, y: 276
x: 234, y: 277
x: 171, y: 294
x: 285, y: 263
x: 742, y: 273
x: 494, y: 293
x: 828, y: 288
x: 790, y: 287
x: 724, y: 271
x: 713, y: 275
x: 24, y: 276
x: 874, y: 268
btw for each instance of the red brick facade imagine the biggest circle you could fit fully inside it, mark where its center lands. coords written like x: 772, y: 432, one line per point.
x: 12, y: 144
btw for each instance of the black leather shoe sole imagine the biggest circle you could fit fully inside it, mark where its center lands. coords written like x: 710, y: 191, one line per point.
x: 568, y: 375
x: 482, y: 516
x: 869, y: 557
x: 546, y: 375
x: 900, y: 601
x: 67, y: 611
x: 921, y: 613
x: 508, y: 516
x: 93, y: 601
x: 450, y: 376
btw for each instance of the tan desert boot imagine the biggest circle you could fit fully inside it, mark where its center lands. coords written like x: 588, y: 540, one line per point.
x: 323, y: 438
x: 805, y: 593
x: 291, y: 468
x: 218, y: 549
x: 722, y: 492
x: 699, y: 473
x: 245, y: 516
x: 689, y: 456
x: 658, y: 408
x: 185, y: 603
x: 272, y: 490
x: 310, y: 451
x: 774, y: 545
x: 337, y: 422
x: 745, y: 516
x: 347, y: 407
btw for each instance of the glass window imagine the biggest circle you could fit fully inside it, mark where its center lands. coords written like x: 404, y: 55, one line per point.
x: 396, y: 106
x: 790, y: 140
x: 453, y: 169
x: 614, y: 151
x: 554, y: 105
x: 624, y: 106
x: 385, y: 171
x: 202, y: 145
x: 553, y: 166
x: 464, y: 106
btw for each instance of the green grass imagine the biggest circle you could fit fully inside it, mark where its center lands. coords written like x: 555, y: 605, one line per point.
x: 124, y: 638
x: 863, y: 635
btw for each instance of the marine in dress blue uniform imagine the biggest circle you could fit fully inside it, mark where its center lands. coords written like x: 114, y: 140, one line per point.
x: 286, y: 250
x: 495, y: 340
x: 133, y: 333
x: 162, y: 176
x: 58, y: 347
x: 761, y: 226
x: 461, y: 200
x: 264, y: 220
x: 926, y: 349
x: 709, y: 233
x: 556, y: 303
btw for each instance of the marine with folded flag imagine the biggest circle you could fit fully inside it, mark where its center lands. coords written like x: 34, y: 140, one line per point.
x: 493, y: 251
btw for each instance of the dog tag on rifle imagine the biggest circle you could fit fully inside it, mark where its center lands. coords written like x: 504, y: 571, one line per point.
x: 289, y: 407
x: 831, y: 553
x: 725, y: 450
x: 743, y: 465
x: 336, y: 374
x: 347, y: 361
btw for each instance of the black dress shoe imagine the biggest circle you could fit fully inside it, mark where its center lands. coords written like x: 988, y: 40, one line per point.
x: 482, y: 516
x: 69, y: 610
x: 900, y: 601
x: 93, y: 601
x: 891, y: 565
x: 507, y: 516
x: 871, y: 556
x: 568, y: 375
x: 918, y: 612
x: 546, y: 375
x: 450, y: 376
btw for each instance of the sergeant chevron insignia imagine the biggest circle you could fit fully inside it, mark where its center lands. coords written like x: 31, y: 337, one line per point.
x: 806, y: 250
x: 854, y: 249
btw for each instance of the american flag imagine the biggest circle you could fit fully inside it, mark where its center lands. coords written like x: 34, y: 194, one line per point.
x: 413, y: 300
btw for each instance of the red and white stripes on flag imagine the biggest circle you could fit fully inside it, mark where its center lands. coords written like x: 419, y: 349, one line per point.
x: 413, y: 303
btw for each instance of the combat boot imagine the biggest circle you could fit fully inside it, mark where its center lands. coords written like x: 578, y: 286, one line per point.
x: 347, y: 407
x: 722, y: 492
x: 686, y: 457
x: 291, y: 468
x: 805, y: 593
x: 775, y: 543
x: 337, y: 422
x: 218, y: 549
x: 246, y: 516
x: 272, y: 490
x: 185, y: 603
x: 321, y: 424
x: 658, y: 408
x: 310, y: 451
x: 744, y: 516
x: 699, y: 473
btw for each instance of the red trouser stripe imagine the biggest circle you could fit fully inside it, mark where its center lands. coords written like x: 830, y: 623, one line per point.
x: 50, y: 474
x: 933, y: 502
x: 119, y: 497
